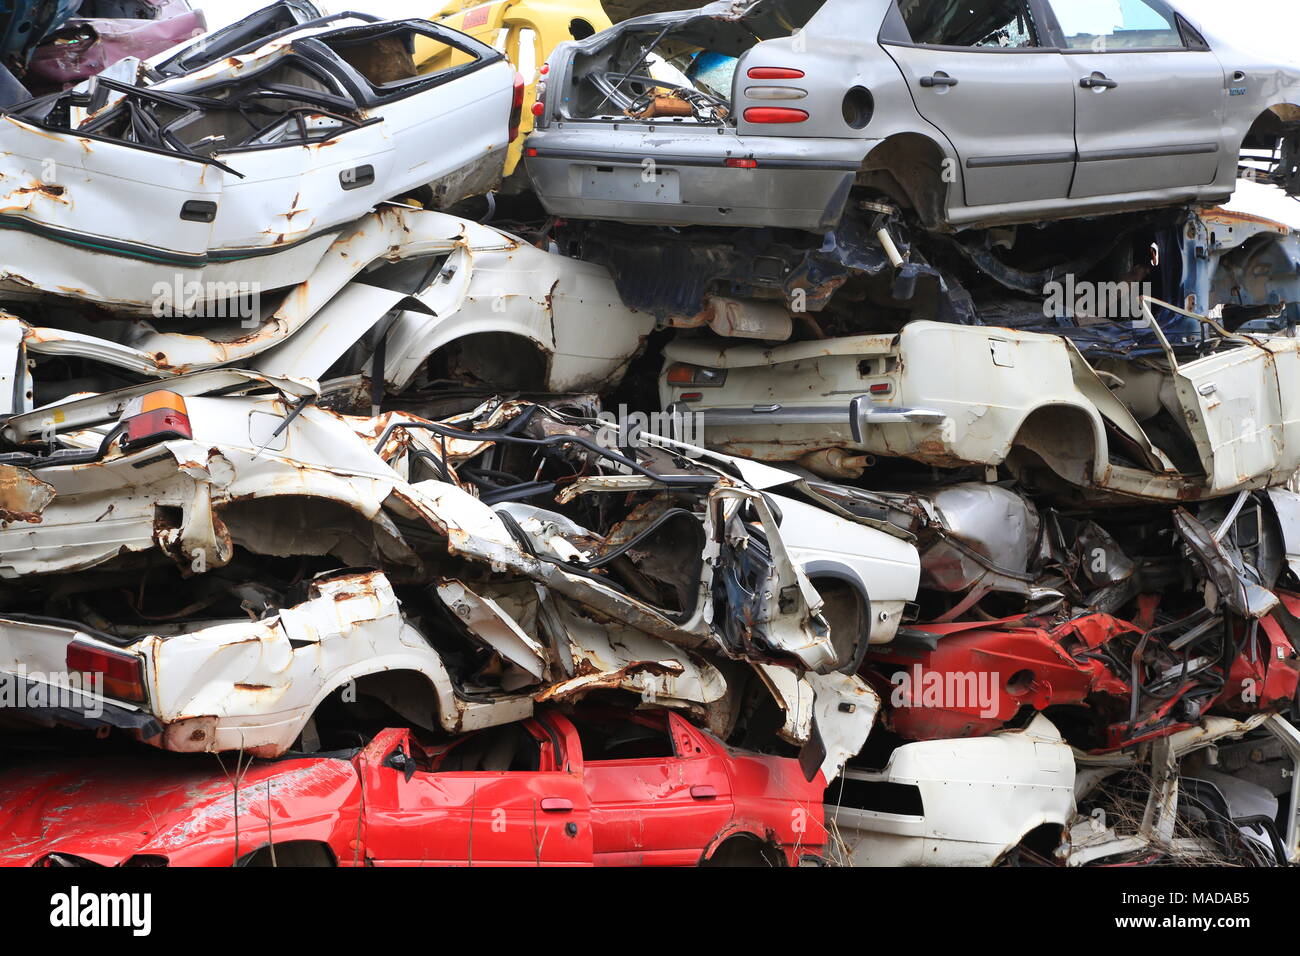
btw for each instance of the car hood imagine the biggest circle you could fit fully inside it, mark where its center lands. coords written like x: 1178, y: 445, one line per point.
x: 105, y: 810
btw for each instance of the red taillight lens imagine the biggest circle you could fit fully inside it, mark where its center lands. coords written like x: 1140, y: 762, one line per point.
x: 774, y: 114
x: 741, y: 163
x: 881, y: 388
x: 516, y: 107
x: 116, y: 674
x: 538, y: 108
x: 155, y: 417
x: 773, y: 73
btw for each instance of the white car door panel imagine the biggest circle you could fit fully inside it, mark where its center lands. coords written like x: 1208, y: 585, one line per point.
x: 1231, y: 402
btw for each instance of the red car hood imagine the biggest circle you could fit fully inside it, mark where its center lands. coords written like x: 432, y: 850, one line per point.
x: 106, y: 810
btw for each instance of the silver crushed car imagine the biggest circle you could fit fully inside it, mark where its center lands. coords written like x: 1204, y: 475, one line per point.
x: 771, y: 112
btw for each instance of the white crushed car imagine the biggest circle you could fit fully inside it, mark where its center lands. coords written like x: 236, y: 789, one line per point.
x: 1213, y: 423
x: 969, y: 802
x: 244, y: 169
x: 417, y: 297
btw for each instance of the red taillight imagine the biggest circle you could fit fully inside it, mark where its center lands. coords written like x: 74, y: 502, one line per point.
x: 530, y: 151
x: 546, y: 68
x: 741, y: 163
x: 516, y: 107
x: 774, y: 114
x: 115, y: 673
x: 538, y: 108
x: 155, y: 417
x: 773, y: 73
x: 880, y: 388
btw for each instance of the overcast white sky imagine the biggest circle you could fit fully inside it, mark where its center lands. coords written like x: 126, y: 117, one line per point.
x: 1267, y: 27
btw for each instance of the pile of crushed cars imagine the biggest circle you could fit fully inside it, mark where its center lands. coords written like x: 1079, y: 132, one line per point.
x: 783, y: 432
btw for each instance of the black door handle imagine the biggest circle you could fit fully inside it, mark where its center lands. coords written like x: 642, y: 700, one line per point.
x: 1098, y: 81
x: 939, y: 79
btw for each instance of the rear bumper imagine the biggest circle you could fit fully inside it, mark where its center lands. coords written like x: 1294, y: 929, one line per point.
x: 859, y: 415
x: 70, y: 707
x: 672, y: 179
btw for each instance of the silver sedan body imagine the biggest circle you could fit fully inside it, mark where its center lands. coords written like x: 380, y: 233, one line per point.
x: 768, y: 112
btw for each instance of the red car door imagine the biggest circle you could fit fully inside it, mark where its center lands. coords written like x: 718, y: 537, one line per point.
x: 503, y: 796
x: 659, y: 789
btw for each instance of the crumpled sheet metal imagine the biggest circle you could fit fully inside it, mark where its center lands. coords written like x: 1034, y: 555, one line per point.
x: 82, y: 48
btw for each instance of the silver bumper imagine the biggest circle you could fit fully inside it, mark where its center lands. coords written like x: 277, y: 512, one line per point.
x: 860, y: 415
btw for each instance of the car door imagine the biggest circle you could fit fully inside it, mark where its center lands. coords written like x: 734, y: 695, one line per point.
x: 1149, y: 97
x: 1233, y: 403
x: 446, y: 808
x: 981, y: 73
x: 658, y: 793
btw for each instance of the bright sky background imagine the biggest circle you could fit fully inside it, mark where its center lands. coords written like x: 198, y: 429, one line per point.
x: 1267, y: 27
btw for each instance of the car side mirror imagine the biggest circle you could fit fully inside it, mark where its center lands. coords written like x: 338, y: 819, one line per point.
x: 398, y: 760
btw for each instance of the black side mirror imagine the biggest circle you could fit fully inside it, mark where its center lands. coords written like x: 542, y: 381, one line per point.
x: 398, y: 760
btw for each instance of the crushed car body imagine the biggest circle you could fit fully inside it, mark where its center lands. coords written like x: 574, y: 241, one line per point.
x: 414, y: 297
x: 779, y: 433
x: 769, y: 113
x: 266, y: 154
x: 207, y: 473
x: 1023, y: 399
x: 565, y: 793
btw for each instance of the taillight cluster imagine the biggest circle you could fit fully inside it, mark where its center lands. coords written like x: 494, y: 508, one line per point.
x: 697, y: 376
x: 774, y: 114
x: 116, y: 674
x: 155, y: 417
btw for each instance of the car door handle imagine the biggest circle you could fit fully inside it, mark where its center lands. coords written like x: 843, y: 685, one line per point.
x: 1098, y: 81
x: 557, y: 805
x: 939, y: 79
x: 704, y: 792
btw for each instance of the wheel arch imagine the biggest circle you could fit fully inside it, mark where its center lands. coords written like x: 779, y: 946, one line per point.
x: 740, y: 846
x: 908, y: 167
x: 1045, y: 431
x: 296, y: 853
x: 827, y: 569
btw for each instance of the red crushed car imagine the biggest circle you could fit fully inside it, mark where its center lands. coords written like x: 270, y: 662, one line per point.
x: 602, y: 787
x: 1131, y: 683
